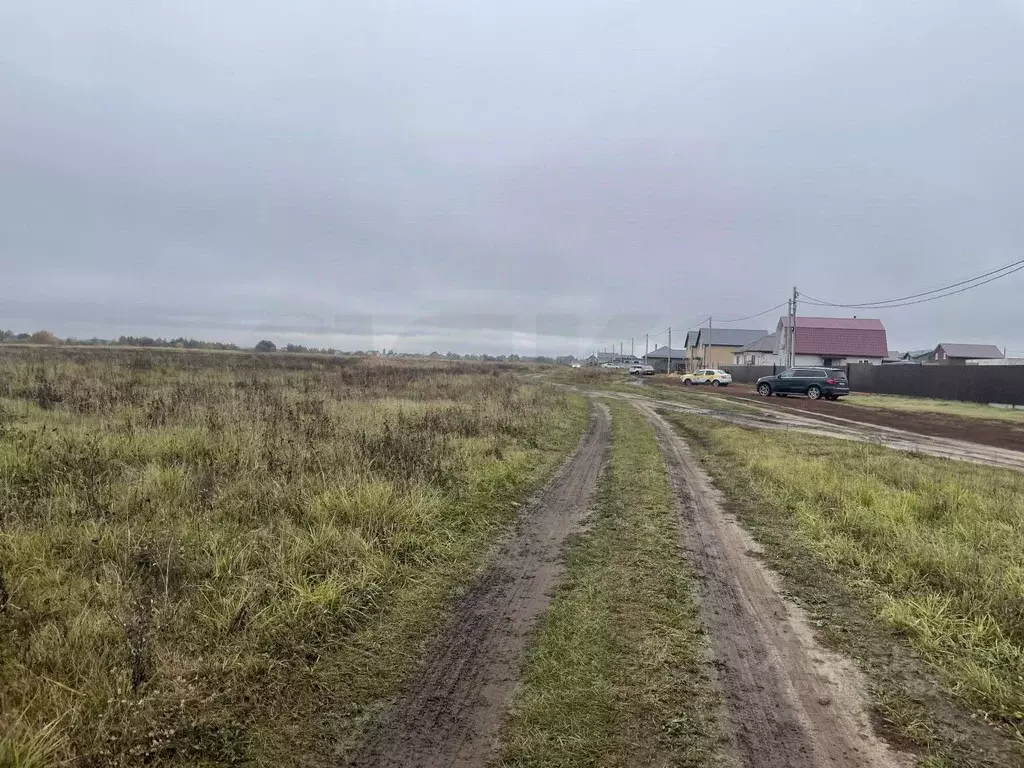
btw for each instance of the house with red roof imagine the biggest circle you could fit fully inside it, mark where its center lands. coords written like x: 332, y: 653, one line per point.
x: 832, y: 342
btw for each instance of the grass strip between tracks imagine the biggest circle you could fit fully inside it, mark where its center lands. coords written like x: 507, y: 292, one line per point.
x: 892, y: 550
x: 618, y: 674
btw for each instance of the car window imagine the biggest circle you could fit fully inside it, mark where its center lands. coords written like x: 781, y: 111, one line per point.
x: 786, y: 375
x: 808, y: 373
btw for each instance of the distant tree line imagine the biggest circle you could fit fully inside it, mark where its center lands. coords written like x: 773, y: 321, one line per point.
x: 265, y: 345
x: 48, y: 337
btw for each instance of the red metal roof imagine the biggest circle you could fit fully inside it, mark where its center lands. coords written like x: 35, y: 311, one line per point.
x: 839, y: 336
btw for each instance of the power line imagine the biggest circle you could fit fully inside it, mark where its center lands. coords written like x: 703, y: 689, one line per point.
x: 1009, y: 269
x: 922, y: 301
x: 699, y: 324
x: 751, y: 317
x: 900, y: 301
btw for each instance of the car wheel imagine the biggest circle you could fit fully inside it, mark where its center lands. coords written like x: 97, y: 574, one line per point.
x: 716, y: 383
x: 687, y: 382
x: 814, y: 393
x: 764, y: 390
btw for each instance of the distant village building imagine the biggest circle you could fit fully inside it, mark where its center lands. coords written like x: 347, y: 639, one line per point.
x: 758, y: 352
x: 664, y: 359
x: 612, y: 358
x: 832, y: 342
x: 717, y: 347
x: 960, y: 354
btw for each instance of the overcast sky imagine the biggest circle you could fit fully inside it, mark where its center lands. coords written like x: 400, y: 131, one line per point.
x: 529, y: 176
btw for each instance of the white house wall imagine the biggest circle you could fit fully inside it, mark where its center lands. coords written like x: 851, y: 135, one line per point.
x: 760, y: 358
x: 817, y: 361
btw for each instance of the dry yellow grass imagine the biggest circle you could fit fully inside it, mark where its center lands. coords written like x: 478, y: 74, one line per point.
x: 220, y: 558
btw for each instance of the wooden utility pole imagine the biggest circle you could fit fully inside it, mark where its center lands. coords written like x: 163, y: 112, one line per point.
x: 631, y: 354
x: 647, y: 341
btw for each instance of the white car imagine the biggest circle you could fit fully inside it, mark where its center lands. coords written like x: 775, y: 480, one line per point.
x: 711, y: 376
x: 641, y: 370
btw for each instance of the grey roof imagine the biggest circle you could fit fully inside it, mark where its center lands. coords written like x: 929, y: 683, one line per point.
x: 972, y: 351
x: 691, y: 339
x: 728, y: 337
x: 895, y: 354
x: 764, y: 344
x: 614, y: 357
x: 662, y: 353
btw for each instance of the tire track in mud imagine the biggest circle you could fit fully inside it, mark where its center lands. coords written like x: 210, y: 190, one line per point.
x: 789, y: 702
x: 451, y: 714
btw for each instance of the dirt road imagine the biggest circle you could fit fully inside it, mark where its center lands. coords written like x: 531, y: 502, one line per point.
x: 789, y: 702
x: 990, y: 432
x: 757, y: 415
x: 452, y: 712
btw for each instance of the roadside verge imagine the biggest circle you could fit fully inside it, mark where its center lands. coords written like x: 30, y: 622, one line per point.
x: 906, y: 563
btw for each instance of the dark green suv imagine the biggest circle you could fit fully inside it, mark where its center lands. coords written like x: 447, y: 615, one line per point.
x: 816, y: 383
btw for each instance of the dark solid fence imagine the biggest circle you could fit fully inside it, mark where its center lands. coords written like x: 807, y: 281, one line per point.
x: 748, y: 374
x: 971, y: 383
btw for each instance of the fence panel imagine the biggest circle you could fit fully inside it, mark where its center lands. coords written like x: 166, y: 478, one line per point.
x: 748, y: 374
x: 971, y: 383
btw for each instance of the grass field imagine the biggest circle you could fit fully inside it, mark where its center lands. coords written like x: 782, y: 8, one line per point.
x: 933, y: 549
x: 214, y: 559
x: 617, y: 677
x: 945, y: 407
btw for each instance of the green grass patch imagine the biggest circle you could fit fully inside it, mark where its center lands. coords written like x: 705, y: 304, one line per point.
x: 892, y: 547
x: 944, y: 407
x: 617, y: 676
x: 214, y: 559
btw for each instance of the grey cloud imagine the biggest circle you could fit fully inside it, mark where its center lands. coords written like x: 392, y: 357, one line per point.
x: 466, y: 174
